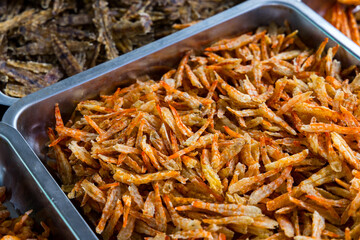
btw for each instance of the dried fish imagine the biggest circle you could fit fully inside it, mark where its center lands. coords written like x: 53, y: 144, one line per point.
x: 102, y: 22
x: 75, y: 19
x: 46, y: 48
x: 126, y: 28
x: 16, y: 20
x: 22, y: 76
x: 93, y: 31
x: 64, y: 56
x: 16, y: 90
x: 53, y: 76
x: 35, y: 67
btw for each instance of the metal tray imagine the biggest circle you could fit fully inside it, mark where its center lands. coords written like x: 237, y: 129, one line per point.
x: 33, y: 114
x: 30, y: 186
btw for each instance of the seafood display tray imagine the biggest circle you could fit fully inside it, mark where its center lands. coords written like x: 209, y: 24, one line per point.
x: 30, y: 186
x: 32, y: 115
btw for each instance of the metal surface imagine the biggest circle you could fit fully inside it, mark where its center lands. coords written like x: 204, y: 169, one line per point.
x: 7, y: 100
x: 33, y: 114
x: 30, y: 186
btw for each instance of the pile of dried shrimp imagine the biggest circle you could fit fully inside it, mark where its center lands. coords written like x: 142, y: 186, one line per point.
x: 257, y: 137
x: 42, y: 42
x: 18, y: 228
x: 344, y: 16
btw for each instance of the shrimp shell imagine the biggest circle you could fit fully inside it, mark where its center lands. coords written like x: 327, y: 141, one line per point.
x: 124, y: 176
x: 110, y: 205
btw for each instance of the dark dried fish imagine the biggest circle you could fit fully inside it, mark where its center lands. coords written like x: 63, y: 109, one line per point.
x: 13, y: 8
x: 53, y: 76
x: 36, y: 48
x: 92, y: 31
x: 126, y: 28
x: 3, y: 8
x: 81, y: 59
x: 4, y: 79
x: 75, y: 19
x: 95, y: 55
x: 58, y: 6
x: 40, y: 18
x: 22, y: 76
x: 3, y: 45
x: 69, y: 32
x: 64, y: 56
x: 19, y: 91
x: 124, y: 44
x: 16, y: 20
x: 34, y: 67
x: 32, y: 34
x: 102, y: 22
x: 43, y: 34
x: 45, y: 4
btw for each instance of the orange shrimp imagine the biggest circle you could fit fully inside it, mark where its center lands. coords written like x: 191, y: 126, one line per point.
x: 94, y: 125
x: 197, y: 233
x: 93, y: 191
x: 181, y: 126
x: 76, y: 134
x: 110, y: 204
x: 160, y: 216
x: 58, y: 123
x: 246, y: 184
x: 150, y: 153
x: 203, y: 141
x: 229, y: 209
x: 290, y: 103
x: 124, y: 176
x: 271, y: 116
x: 236, y: 42
x: 109, y: 229
x: 192, y: 139
x: 329, y: 127
x: 179, y: 75
x: 149, y: 207
x: 22, y: 221
x: 266, y: 190
x: 183, y: 223
x: 168, y: 74
x: 192, y: 77
x: 64, y: 166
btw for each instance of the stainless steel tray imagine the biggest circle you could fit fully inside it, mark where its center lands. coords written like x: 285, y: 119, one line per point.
x: 30, y: 186
x: 33, y: 114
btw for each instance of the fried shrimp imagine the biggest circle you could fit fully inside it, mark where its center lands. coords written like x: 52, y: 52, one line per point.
x: 232, y: 143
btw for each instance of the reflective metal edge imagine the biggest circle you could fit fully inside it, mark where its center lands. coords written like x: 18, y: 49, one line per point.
x: 54, y: 195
